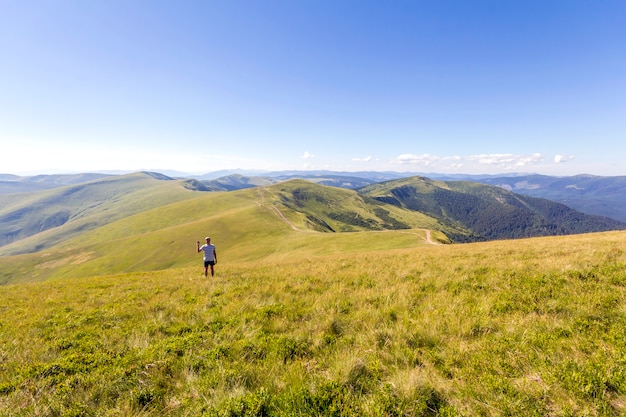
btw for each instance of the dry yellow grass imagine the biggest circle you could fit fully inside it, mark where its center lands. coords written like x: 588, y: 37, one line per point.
x: 529, y: 327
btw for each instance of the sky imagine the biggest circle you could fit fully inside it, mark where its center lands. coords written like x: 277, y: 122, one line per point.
x: 423, y: 86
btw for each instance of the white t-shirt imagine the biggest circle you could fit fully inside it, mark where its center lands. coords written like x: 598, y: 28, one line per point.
x: 209, y: 251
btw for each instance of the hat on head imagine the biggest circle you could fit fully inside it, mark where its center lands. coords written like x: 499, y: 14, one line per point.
x: 207, y: 238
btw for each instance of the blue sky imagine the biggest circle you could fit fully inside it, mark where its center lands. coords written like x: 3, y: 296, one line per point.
x: 475, y: 87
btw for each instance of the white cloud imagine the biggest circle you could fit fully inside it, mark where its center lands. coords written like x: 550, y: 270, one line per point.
x: 506, y: 160
x: 430, y: 161
x: 492, y: 159
x: 562, y: 158
x: 502, y: 161
x: 533, y: 159
x: 412, y: 159
x: 307, y: 155
x: 366, y: 159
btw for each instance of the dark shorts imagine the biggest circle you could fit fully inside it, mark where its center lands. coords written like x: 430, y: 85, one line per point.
x: 207, y: 263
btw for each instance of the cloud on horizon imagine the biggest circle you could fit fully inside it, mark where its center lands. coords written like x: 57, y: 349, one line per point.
x: 419, y: 160
x: 507, y: 161
x: 558, y: 158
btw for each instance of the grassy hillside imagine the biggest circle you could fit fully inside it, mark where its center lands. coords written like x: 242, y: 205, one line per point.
x: 146, y: 222
x: 488, y: 212
x: 532, y: 327
x: 246, y: 225
x: 330, y: 209
x: 56, y: 215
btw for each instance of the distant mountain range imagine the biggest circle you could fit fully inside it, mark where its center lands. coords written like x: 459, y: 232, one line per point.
x: 604, y: 196
x: 464, y: 211
x: 486, y: 211
x: 598, y: 195
x: 19, y: 184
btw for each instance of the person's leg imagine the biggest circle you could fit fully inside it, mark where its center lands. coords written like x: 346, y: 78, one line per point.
x: 206, y: 269
x: 212, y: 271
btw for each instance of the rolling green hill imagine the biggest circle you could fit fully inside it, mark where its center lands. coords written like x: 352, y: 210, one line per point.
x: 146, y: 221
x: 55, y: 215
x: 489, y: 212
x: 330, y: 209
x: 287, y: 219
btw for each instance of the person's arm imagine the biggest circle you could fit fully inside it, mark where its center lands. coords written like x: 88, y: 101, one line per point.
x: 215, y: 255
x: 198, y: 245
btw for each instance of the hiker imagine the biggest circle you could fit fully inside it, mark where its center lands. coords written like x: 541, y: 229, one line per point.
x: 210, y: 256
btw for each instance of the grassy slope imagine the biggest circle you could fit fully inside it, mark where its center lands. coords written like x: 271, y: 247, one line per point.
x: 246, y: 225
x: 323, y: 208
x: 50, y: 217
x: 299, y: 322
x: 489, y: 212
x: 533, y: 327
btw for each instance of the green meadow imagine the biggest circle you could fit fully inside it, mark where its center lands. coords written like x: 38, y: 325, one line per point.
x: 533, y: 327
x: 250, y: 225
x: 324, y: 303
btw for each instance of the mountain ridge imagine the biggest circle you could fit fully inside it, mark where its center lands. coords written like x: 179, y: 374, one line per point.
x: 489, y: 212
x: 146, y: 221
x: 590, y: 194
x: 605, y: 196
x: 23, y: 215
x: 62, y: 212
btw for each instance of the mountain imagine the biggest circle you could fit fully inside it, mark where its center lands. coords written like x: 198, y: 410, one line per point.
x: 234, y: 180
x: 463, y: 211
x: 10, y: 184
x: 373, y: 176
x: 604, y: 196
x: 489, y: 212
x: 596, y: 195
x: 229, y: 183
x: 147, y: 221
x: 160, y: 226
x: 52, y: 216
x: 238, y: 181
x: 331, y: 209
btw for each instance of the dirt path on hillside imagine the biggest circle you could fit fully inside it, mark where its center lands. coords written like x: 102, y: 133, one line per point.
x: 276, y: 210
x: 428, y: 235
x: 428, y: 238
x: 283, y: 218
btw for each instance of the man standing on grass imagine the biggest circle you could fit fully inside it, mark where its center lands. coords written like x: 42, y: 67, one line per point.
x: 210, y: 256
